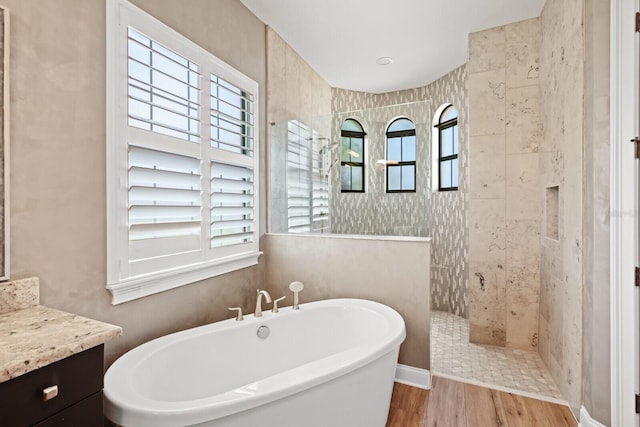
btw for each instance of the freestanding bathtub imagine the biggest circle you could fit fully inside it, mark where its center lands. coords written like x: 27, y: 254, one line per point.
x: 330, y: 364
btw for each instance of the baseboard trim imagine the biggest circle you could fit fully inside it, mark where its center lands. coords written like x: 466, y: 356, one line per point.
x: 415, y: 377
x: 586, y: 420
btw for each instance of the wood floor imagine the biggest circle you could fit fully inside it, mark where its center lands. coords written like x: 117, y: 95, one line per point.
x: 455, y: 404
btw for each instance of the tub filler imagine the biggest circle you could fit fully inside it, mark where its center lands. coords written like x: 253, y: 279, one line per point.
x: 330, y: 363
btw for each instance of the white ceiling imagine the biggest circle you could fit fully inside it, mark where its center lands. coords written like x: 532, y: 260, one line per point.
x: 341, y: 39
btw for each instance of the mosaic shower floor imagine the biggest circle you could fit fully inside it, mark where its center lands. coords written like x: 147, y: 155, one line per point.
x: 515, y: 371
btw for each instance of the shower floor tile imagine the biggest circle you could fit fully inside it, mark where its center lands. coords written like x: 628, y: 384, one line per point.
x: 516, y: 371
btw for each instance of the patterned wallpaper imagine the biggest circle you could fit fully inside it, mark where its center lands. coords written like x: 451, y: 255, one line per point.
x: 448, y: 210
x: 446, y: 213
x: 375, y: 211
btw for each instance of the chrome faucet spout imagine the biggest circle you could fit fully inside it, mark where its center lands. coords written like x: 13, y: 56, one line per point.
x: 265, y: 294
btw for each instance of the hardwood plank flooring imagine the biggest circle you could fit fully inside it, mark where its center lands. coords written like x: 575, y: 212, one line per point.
x: 454, y: 404
x: 446, y: 405
x: 408, y: 406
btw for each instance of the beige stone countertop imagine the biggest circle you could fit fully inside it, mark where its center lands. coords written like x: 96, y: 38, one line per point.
x: 37, y: 336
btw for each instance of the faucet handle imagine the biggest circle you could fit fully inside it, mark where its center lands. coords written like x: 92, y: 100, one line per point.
x: 275, y: 303
x: 239, y: 316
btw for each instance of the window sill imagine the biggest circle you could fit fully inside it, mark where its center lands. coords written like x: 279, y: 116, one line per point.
x: 142, y: 286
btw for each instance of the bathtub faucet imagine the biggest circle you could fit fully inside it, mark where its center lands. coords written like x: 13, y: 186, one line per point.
x: 258, y: 312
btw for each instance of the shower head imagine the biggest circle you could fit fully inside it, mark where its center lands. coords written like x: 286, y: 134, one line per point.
x: 332, y: 164
x: 328, y: 147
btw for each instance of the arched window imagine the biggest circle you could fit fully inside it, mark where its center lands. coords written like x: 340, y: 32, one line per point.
x: 448, y: 149
x: 401, y: 156
x: 352, y: 157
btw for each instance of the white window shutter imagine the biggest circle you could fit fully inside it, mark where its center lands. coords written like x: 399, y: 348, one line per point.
x: 182, y: 174
x: 232, y: 205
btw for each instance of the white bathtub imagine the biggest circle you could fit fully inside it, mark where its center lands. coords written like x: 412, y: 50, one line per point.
x: 331, y: 363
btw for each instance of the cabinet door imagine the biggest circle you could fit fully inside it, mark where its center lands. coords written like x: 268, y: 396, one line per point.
x: 86, y: 413
x: 22, y: 401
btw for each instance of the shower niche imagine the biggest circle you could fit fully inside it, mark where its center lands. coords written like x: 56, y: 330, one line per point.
x: 552, y: 211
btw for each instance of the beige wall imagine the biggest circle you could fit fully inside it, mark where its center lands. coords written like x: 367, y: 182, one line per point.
x: 395, y: 273
x: 295, y: 90
x: 561, y: 165
x: 597, y: 366
x: 504, y: 206
x: 58, y: 206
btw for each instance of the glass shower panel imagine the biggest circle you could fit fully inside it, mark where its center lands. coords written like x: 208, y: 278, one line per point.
x: 307, y: 174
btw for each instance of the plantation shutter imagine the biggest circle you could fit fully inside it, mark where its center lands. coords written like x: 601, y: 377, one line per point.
x: 307, y: 179
x: 232, y: 204
x: 298, y: 178
x: 164, y: 155
x: 233, y: 184
x: 319, y: 184
x: 164, y: 194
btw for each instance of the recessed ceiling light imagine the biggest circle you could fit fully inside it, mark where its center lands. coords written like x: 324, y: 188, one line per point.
x: 384, y: 60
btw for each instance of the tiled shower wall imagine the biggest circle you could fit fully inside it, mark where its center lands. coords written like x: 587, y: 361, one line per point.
x: 446, y: 212
x: 504, y: 208
x: 374, y: 211
x: 561, y: 166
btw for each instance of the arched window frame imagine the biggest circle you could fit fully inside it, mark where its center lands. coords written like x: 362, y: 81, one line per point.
x: 402, y: 163
x: 451, y: 157
x: 352, y: 163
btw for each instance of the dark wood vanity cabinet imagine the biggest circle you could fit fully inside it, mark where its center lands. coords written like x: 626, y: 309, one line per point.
x: 31, y: 399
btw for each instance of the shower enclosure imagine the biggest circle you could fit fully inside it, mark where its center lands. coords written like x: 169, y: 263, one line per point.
x: 310, y: 162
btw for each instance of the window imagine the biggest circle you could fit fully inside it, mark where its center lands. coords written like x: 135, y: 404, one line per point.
x: 352, y: 157
x: 182, y: 175
x: 401, y: 156
x: 447, y: 127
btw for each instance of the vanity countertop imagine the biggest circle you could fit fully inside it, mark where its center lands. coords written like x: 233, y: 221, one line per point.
x: 33, y: 337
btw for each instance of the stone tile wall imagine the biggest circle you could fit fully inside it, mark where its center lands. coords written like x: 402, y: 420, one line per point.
x: 504, y: 206
x: 561, y: 164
